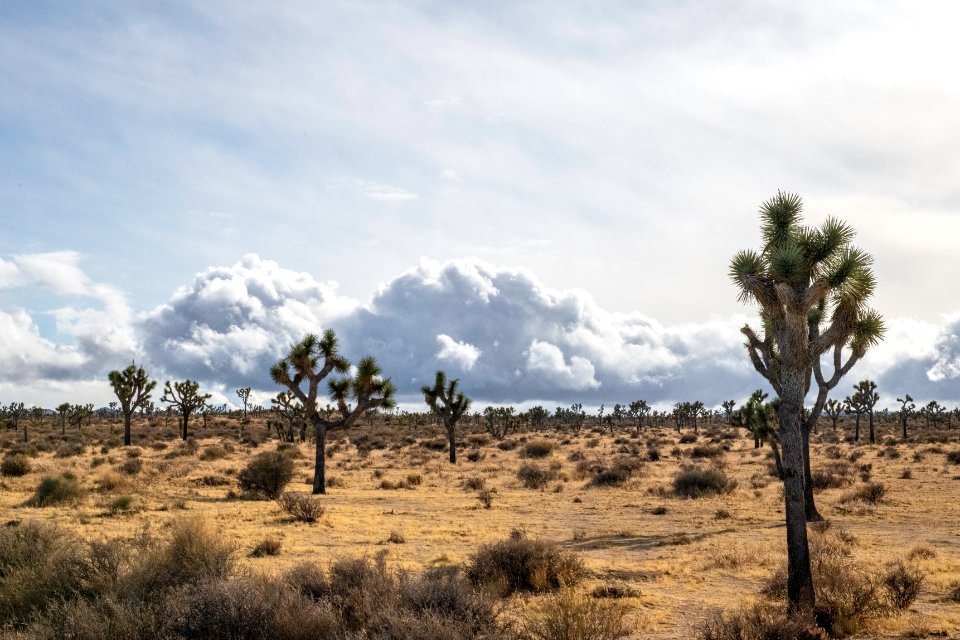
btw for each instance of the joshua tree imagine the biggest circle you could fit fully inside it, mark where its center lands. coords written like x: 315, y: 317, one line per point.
x: 244, y: 394
x: 16, y: 411
x: 759, y: 419
x: 133, y: 388
x: 728, y: 406
x: 499, y: 421
x: 906, y: 410
x: 80, y: 412
x: 309, y: 362
x: 638, y: 411
x: 449, y: 404
x: 867, y: 391
x: 292, y: 412
x: 856, y: 404
x: 833, y: 409
x: 799, y: 277
x: 63, y: 410
x: 537, y: 415
x: 184, y: 397
x: 574, y: 416
x: 933, y: 413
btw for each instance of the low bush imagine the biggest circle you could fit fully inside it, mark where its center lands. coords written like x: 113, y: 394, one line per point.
x: 696, y: 482
x: 15, y: 465
x: 56, y: 490
x: 537, y: 449
x: 267, y: 547
x: 473, y: 484
x: 535, y: 477
x: 267, y: 474
x: 522, y: 564
x: 301, y: 507
x: 903, y: 583
x: 706, y: 451
x: 757, y: 623
x: 213, y: 452
x: 953, y: 457
x: 132, y: 466
x: 570, y: 615
x: 833, y: 475
x: 621, y: 470
x: 435, y: 444
x: 688, y: 438
x: 868, y: 493
x: 121, y: 505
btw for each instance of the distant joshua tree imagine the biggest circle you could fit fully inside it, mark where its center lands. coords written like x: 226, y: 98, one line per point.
x: 64, y: 411
x: 185, y: 398
x: 906, y: 410
x: 799, y: 277
x: 728, y: 406
x: 867, y: 390
x: 759, y: 419
x: 638, y: 410
x: 309, y: 362
x: 133, y: 388
x: 856, y: 405
x: 833, y: 409
x: 244, y: 394
x: 287, y: 407
x: 449, y: 405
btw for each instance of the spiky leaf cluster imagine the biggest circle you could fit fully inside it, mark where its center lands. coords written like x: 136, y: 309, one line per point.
x: 445, y: 400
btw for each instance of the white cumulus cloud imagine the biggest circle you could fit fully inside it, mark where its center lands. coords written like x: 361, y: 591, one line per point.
x: 458, y: 352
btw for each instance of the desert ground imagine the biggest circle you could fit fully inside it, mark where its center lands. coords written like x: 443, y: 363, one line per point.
x: 671, y: 560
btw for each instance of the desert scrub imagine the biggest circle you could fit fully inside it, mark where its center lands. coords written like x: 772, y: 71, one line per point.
x: 267, y: 474
x: 15, y: 465
x: 522, y: 564
x: 56, y: 490
x: 571, y: 615
x: 534, y: 476
x: 301, y: 507
x: 537, y: 449
x: 696, y: 482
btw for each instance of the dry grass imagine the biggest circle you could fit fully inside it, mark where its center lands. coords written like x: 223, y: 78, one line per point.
x: 683, y: 562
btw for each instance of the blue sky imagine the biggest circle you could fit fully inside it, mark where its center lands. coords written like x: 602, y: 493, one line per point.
x: 614, y: 150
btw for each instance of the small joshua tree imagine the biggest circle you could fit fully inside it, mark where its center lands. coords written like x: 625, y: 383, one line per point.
x: 759, y: 419
x: 184, y: 397
x: 285, y: 406
x: 244, y: 394
x: 449, y: 405
x: 907, y: 407
x: 133, y: 388
x: 833, y: 409
x: 856, y: 404
x: 638, y: 410
x: 867, y: 391
x: 309, y: 362
x: 63, y: 410
x: 36, y: 417
x: 728, y: 406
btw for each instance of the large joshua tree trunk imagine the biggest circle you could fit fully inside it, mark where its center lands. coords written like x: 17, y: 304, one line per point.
x: 184, y: 424
x: 800, y: 579
x: 810, y: 505
x: 452, y: 436
x: 126, y: 427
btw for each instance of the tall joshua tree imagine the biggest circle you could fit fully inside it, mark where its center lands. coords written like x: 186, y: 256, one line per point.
x: 811, y: 286
x: 133, y: 388
x: 184, y: 397
x: 310, y: 362
x: 856, y: 404
x: 244, y: 394
x: 906, y: 410
x: 449, y: 405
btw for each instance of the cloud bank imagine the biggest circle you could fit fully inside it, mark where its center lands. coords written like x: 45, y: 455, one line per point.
x: 509, y: 337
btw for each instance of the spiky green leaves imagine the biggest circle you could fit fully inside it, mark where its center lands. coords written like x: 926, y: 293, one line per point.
x: 867, y: 332
x: 780, y: 216
x: 748, y: 271
x: 444, y: 399
x: 132, y: 387
x: 367, y: 387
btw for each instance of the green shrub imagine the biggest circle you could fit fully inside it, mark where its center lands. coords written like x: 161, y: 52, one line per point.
x: 267, y: 474
x: 696, y: 482
x: 56, y: 490
x: 267, y: 547
x: 15, y: 465
x: 121, y: 504
x: 522, y: 564
x: 132, y: 466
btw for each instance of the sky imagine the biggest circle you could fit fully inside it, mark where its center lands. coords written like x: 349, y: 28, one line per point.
x: 540, y: 198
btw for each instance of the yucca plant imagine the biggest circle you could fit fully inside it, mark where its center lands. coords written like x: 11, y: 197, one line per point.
x: 184, y: 397
x: 811, y: 286
x: 449, y: 405
x: 310, y: 362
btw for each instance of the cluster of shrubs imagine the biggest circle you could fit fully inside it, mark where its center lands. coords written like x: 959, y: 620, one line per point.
x: 697, y: 482
x: 54, y: 585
